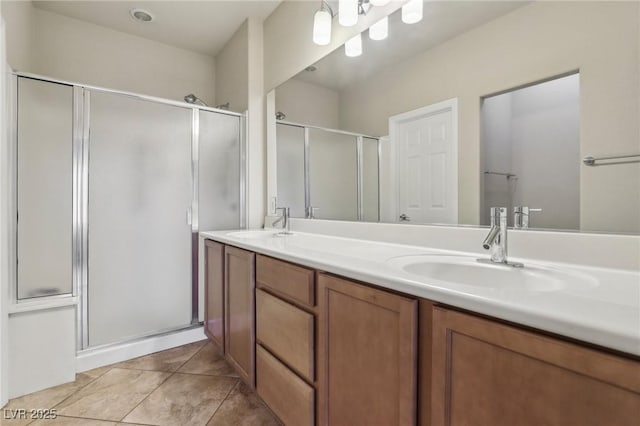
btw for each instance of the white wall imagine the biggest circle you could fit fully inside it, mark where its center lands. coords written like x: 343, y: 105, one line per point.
x: 5, y: 236
x: 232, y: 71
x: 53, y: 45
x: 257, y: 194
x: 535, y: 42
x: 308, y: 103
x: 19, y: 24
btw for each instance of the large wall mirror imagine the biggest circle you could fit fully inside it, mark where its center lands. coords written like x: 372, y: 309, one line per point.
x: 481, y: 103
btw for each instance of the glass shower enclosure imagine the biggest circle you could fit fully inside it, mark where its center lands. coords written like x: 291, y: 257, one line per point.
x: 327, y: 173
x: 112, y: 190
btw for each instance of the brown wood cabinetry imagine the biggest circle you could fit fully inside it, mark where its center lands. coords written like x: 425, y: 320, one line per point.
x: 214, y: 292
x: 286, y: 331
x: 366, y: 355
x: 360, y: 357
x: 239, y: 278
x: 489, y: 373
x: 286, y: 394
x: 291, y: 282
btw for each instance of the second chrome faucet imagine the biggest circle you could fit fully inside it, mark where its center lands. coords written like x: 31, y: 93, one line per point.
x: 496, y: 240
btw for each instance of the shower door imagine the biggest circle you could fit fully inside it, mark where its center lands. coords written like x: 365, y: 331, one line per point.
x: 139, y: 231
x: 333, y: 174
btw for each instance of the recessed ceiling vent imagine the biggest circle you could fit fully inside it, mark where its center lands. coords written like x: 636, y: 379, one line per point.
x: 141, y: 15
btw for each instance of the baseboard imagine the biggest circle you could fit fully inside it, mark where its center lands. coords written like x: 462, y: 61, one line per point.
x: 99, y: 357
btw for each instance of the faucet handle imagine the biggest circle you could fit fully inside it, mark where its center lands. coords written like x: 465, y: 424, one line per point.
x: 285, y: 210
x: 311, y: 212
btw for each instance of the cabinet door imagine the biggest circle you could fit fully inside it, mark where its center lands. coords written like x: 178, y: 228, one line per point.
x: 488, y: 373
x: 239, y: 312
x: 367, y: 355
x: 214, y: 292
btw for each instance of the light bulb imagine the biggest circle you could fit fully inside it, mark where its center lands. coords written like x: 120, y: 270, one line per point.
x: 379, y: 30
x: 412, y: 12
x: 348, y: 12
x: 379, y: 2
x: 353, y: 46
x: 322, y: 27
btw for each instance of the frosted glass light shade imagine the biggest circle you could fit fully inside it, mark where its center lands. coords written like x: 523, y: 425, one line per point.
x: 353, y: 46
x: 348, y: 12
x: 322, y: 28
x: 412, y: 12
x: 379, y: 30
x: 379, y: 2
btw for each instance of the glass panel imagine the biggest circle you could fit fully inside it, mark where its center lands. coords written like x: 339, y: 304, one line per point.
x: 140, y: 188
x: 219, y: 171
x: 45, y: 136
x: 290, y: 160
x: 370, y: 180
x: 333, y: 174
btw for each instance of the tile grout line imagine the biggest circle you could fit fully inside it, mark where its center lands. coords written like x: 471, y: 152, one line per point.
x: 161, y: 383
x: 234, y: 387
x: 149, y: 394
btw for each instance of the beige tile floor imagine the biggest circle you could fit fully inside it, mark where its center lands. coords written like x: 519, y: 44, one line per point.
x: 184, y: 386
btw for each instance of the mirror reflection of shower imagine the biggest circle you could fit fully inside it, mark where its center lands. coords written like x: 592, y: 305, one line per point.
x: 531, y: 152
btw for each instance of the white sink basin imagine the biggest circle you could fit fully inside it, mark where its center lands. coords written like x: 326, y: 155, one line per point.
x: 468, y: 271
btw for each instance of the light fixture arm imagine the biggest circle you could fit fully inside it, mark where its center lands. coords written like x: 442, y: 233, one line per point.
x: 325, y: 6
x: 363, y: 7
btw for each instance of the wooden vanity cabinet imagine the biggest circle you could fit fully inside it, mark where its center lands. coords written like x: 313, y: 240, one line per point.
x: 367, y: 352
x: 286, y: 340
x: 214, y: 292
x: 239, y: 313
x: 489, y: 373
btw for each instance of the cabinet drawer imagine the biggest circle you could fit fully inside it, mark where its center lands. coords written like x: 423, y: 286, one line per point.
x: 288, y: 396
x: 291, y: 281
x: 286, y: 331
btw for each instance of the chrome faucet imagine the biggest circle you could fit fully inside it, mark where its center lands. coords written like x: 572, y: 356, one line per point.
x: 311, y: 212
x: 285, y: 221
x: 496, y: 240
x: 521, y: 216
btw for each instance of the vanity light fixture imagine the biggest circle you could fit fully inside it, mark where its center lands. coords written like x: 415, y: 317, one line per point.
x: 412, y: 12
x: 322, y: 21
x: 353, y: 46
x: 348, y: 12
x: 379, y: 30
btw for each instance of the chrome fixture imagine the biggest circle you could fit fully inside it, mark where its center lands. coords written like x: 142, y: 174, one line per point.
x: 613, y: 159
x: 521, y: 216
x: 286, y: 229
x: 496, y: 241
x: 311, y: 68
x: 280, y: 115
x: 223, y: 106
x: 141, y: 15
x: 310, y: 212
x: 193, y: 99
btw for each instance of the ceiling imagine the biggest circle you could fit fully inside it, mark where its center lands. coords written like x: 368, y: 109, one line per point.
x: 442, y: 21
x: 200, y: 26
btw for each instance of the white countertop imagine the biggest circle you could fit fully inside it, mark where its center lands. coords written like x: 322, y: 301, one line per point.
x: 605, y: 312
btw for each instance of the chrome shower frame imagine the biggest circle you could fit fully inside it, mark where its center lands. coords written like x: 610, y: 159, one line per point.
x: 80, y: 196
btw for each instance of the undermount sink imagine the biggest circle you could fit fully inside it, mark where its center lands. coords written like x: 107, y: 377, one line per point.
x: 468, y: 271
